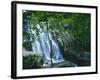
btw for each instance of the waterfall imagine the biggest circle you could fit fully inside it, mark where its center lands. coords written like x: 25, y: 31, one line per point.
x: 56, y: 51
x: 42, y: 46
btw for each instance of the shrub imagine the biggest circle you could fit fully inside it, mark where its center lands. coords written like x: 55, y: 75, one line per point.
x: 32, y: 61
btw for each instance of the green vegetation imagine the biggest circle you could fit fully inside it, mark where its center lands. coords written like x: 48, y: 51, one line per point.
x: 70, y: 30
x: 77, y: 24
x: 32, y: 61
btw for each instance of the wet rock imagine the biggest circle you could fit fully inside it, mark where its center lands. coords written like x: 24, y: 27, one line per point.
x: 61, y: 64
x: 65, y: 64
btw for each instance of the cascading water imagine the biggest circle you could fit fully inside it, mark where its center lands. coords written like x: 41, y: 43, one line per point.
x: 56, y: 51
x: 42, y: 45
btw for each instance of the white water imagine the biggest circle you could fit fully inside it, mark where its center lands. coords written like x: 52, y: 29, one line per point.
x: 43, y: 47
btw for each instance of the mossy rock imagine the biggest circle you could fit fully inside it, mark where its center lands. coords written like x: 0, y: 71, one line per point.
x: 32, y: 61
x: 61, y: 65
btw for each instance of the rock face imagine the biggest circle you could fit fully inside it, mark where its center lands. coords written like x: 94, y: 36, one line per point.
x: 81, y: 58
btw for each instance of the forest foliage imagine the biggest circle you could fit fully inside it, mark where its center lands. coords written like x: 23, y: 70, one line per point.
x: 60, y: 24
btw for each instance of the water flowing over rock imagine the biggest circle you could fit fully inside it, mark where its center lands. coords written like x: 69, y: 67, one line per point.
x: 42, y: 45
